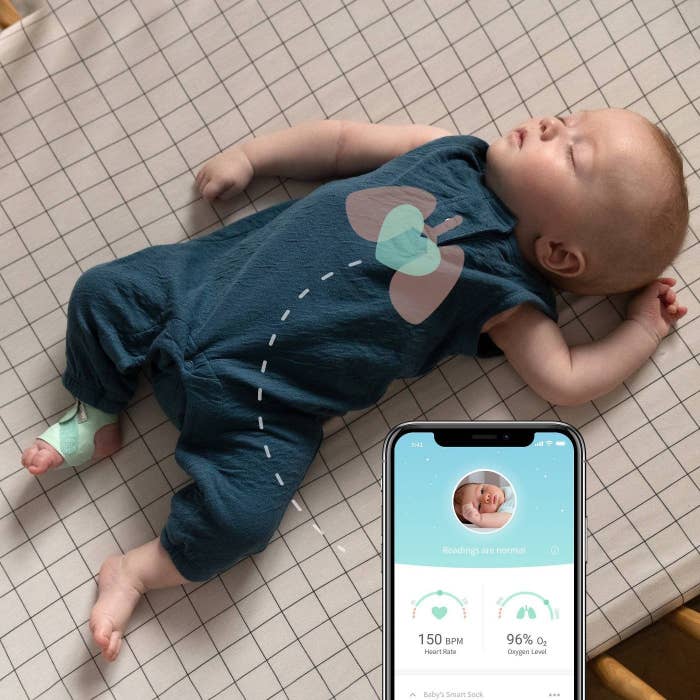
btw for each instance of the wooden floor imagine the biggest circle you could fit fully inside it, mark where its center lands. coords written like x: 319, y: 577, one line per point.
x: 662, y: 656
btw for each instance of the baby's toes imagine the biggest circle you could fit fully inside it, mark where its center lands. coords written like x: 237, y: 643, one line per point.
x: 28, y: 456
x: 101, y: 632
x: 37, y: 462
x: 44, y: 459
x: 114, y: 645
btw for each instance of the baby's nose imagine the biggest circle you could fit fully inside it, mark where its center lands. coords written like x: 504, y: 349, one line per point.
x: 548, y: 126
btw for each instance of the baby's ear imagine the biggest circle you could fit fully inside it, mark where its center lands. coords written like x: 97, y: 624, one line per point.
x: 562, y: 258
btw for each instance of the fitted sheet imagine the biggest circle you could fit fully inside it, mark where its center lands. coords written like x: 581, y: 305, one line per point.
x: 107, y: 110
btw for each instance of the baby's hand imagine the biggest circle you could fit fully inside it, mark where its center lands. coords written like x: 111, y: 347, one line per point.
x: 225, y: 175
x: 471, y: 514
x: 656, y: 308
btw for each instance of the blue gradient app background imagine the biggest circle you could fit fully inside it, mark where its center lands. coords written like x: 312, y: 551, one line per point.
x: 541, y: 529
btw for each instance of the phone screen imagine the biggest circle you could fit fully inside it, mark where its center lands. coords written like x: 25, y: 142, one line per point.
x: 486, y: 577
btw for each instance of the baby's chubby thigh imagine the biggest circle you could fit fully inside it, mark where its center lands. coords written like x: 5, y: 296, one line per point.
x: 243, y: 482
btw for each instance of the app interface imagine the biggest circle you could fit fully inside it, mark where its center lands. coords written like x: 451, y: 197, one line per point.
x: 484, y: 539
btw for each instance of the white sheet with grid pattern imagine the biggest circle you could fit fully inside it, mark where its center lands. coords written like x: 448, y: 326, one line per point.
x: 107, y: 109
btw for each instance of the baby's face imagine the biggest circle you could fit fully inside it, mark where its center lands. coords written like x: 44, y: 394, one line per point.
x: 557, y: 170
x: 486, y: 498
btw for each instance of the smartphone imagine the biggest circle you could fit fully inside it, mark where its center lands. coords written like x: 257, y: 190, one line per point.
x: 483, y: 560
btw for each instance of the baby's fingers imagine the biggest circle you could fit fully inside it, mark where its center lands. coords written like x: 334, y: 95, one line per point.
x: 674, y: 312
x: 656, y: 290
x: 211, y: 190
x: 230, y: 192
x: 677, y: 311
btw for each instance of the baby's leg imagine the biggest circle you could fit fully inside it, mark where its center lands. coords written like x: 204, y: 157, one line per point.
x: 242, y: 486
x: 109, y: 331
x: 123, y: 578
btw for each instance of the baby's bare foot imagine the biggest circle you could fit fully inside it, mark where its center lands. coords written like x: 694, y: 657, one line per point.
x: 41, y: 457
x: 119, y: 592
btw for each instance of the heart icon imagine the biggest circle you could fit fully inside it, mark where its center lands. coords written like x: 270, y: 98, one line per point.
x: 400, y: 245
x: 439, y: 613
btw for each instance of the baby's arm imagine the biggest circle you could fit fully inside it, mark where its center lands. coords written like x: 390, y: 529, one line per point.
x: 485, y: 519
x: 565, y: 376
x: 311, y: 150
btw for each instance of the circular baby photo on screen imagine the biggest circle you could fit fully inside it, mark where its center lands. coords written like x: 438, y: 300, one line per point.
x: 484, y: 501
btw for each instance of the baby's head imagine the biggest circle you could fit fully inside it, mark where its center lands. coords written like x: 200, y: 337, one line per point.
x: 486, y: 498
x: 600, y: 198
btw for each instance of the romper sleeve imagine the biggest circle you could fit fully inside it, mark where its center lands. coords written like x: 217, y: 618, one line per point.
x: 521, y: 283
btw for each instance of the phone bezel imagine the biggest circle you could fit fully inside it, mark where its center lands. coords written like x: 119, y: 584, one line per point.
x: 388, y: 532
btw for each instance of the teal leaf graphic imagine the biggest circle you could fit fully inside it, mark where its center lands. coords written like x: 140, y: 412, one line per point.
x: 401, y: 246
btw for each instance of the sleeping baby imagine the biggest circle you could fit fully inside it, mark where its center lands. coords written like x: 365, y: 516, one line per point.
x: 422, y: 245
x: 484, y: 505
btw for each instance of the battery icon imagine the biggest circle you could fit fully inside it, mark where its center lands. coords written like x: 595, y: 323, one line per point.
x: 560, y: 443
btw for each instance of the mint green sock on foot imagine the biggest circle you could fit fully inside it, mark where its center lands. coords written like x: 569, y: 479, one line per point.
x: 73, y: 436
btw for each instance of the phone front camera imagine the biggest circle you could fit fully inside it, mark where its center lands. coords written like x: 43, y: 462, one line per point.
x: 506, y: 436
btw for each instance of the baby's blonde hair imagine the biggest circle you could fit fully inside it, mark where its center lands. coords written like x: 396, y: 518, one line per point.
x: 456, y: 503
x: 630, y: 250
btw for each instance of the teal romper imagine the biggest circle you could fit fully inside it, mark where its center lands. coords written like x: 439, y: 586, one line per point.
x: 255, y: 334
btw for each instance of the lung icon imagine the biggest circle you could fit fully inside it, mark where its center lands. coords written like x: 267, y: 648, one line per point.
x: 394, y: 218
